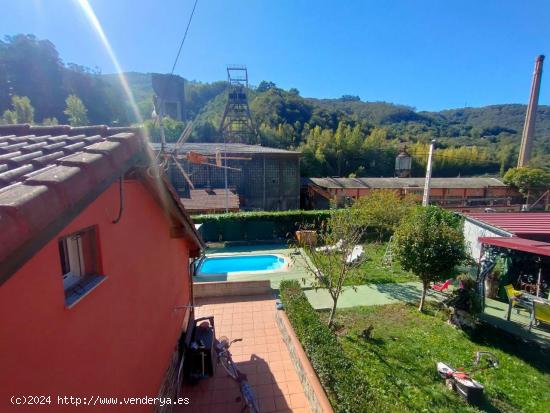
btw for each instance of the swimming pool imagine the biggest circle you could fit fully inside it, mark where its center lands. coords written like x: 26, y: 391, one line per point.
x: 241, y: 264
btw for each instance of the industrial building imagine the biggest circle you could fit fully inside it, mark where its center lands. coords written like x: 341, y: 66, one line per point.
x: 263, y: 178
x: 460, y: 194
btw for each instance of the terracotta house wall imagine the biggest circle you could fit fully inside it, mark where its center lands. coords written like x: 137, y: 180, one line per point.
x: 117, y: 340
x: 502, y: 192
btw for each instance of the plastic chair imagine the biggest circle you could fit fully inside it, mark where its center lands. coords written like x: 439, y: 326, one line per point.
x: 541, y: 314
x: 514, y: 300
x: 442, y: 287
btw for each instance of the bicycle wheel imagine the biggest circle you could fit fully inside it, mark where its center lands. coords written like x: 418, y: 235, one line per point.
x: 228, y: 365
x: 249, y: 398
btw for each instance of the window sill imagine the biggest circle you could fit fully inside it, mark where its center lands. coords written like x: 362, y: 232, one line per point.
x: 76, y: 293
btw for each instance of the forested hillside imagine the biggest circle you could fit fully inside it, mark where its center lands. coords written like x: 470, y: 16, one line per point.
x: 344, y: 137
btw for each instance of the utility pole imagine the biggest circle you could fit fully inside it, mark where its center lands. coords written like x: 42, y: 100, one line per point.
x: 225, y: 173
x: 158, y: 106
x: 529, y: 126
x: 161, y: 127
x: 426, y: 197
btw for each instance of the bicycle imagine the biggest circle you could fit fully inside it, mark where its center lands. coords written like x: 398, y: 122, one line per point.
x: 225, y: 359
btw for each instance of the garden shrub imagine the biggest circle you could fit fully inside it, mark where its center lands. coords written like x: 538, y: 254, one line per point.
x: 239, y: 226
x: 346, y: 387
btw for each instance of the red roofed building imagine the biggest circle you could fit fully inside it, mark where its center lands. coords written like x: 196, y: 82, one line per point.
x: 95, y: 251
x: 528, y: 225
x: 520, y: 241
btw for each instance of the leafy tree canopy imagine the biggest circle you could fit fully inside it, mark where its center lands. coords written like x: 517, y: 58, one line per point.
x: 384, y: 210
x: 76, y: 111
x: 22, y: 111
x: 430, y: 243
x: 526, y: 178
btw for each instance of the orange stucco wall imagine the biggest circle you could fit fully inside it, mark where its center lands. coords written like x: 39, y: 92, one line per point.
x: 116, y: 341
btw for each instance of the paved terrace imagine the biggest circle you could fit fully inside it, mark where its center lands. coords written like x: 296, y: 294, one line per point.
x: 262, y: 356
x: 495, y: 314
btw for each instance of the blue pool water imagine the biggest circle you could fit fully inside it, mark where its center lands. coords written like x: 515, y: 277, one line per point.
x: 242, y: 263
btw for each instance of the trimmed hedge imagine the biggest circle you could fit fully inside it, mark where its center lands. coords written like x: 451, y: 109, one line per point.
x: 264, y: 225
x: 347, y: 389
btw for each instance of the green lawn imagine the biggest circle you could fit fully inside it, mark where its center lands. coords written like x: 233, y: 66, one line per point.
x: 372, y: 271
x: 399, y: 361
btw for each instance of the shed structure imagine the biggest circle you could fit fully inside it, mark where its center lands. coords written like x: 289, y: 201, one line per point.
x: 460, y: 194
x: 267, y: 179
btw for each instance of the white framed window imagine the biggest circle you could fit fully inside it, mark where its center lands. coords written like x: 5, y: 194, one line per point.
x: 80, y: 269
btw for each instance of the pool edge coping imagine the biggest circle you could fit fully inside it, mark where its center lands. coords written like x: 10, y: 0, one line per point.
x: 285, y: 268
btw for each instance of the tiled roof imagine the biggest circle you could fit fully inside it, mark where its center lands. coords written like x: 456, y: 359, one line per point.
x: 232, y: 148
x: 50, y: 174
x: 203, y: 200
x: 30, y: 154
x: 390, y: 183
x: 516, y: 223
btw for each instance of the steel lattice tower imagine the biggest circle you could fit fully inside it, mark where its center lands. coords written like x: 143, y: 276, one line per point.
x: 237, y: 125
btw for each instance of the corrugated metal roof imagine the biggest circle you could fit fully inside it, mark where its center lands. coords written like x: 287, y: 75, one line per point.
x: 517, y: 223
x: 233, y: 148
x: 396, y: 183
x: 520, y: 244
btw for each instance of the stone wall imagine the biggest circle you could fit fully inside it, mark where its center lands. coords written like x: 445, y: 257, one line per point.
x: 313, y: 389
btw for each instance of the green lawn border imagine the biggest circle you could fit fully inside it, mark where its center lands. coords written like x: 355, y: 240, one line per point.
x: 346, y: 388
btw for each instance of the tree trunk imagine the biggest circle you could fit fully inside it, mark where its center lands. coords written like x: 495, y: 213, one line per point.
x: 423, y: 296
x: 332, y: 312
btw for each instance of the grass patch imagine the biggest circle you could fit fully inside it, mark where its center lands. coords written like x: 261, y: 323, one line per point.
x: 371, y: 271
x: 399, y: 361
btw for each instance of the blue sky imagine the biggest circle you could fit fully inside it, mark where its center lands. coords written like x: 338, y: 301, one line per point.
x: 430, y: 54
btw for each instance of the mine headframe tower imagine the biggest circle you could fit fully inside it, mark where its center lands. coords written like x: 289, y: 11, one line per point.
x: 237, y: 125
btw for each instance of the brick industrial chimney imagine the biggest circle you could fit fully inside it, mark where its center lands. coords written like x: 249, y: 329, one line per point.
x: 529, y: 127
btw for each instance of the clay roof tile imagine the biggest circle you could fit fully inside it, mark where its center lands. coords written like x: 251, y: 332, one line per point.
x: 49, y: 173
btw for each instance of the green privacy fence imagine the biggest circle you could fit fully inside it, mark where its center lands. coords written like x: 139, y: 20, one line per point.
x: 253, y: 226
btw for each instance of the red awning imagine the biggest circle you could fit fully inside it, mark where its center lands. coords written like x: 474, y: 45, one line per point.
x: 519, y: 244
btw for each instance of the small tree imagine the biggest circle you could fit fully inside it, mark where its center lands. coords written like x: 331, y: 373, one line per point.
x: 76, y: 111
x: 9, y: 117
x: 22, y: 111
x: 384, y: 210
x: 264, y: 86
x: 525, y: 179
x: 50, y: 121
x: 430, y: 243
x: 330, y: 266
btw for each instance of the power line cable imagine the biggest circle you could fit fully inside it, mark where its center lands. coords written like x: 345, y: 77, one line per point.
x: 184, y: 37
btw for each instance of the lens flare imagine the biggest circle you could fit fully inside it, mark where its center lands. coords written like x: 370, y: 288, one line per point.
x: 154, y: 171
x: 92, y: 18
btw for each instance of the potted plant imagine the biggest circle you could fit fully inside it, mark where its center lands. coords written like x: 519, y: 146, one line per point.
x: 464, y: 304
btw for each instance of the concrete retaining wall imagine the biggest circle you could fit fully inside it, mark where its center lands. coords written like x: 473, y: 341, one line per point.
x: 318, y: 400
x: 230, y: 288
